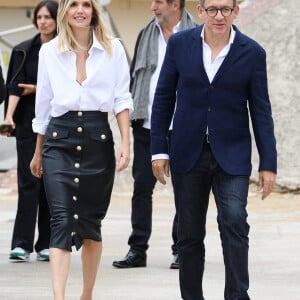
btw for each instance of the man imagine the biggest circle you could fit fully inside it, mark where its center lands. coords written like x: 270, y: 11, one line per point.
x: 170, y: 16
x: 217, y: 73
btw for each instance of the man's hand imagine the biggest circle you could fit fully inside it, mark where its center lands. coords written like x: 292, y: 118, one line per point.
x: 266, y: 182
x: 160, y: 168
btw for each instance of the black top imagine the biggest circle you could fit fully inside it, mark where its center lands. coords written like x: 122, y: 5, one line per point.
x: 2, y: 87
x: 23, y: 68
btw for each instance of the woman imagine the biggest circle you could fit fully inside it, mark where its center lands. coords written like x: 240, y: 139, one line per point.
x: 21, y: 86
x: 83, y: 74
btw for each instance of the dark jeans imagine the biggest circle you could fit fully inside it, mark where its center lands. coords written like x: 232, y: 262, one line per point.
x: 141, y: 204
x: 32, y: 202
x: 192, y: 191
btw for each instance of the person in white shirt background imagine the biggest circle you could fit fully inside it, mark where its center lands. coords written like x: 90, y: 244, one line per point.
x: 170, y: 16
x: 83, y: 74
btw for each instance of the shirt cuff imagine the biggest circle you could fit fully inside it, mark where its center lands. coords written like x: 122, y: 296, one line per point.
x: 122, y: 106
x: 39, y: 127
x: 160, y: 156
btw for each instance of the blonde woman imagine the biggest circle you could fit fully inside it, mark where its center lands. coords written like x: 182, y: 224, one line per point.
x: 83, y: 74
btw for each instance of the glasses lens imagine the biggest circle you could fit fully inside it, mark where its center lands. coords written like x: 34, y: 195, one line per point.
x: 226, y: 11
x: 212, y: 11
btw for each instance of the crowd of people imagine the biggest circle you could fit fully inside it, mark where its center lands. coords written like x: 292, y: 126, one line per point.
x: 187, y: 96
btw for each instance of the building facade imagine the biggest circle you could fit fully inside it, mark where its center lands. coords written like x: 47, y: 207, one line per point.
x: 127, y: 16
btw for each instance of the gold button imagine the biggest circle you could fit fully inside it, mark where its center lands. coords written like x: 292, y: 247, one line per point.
x: 77, y: 165
x: 76, y: 180
x: 74, y: 198
x: 78, y: 148
x: 54, y: 134
x: 75, y: 217
x: 79, y: 129
x: 103, y: 136
x: 79, y: 114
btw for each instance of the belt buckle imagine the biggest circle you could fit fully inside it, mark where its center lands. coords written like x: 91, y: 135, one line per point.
x: 207, y: 138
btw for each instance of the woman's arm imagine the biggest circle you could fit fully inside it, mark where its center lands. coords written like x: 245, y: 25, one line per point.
x: 36, y: 162
x: 123, y: 153
x: 28, y: 89
x: 13, y: 101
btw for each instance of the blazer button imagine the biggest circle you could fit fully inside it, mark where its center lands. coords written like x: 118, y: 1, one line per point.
x: 77, y: 165
x: 76, y: 180
x: 79, y: 114
x: 54, y: 134
x: 78, y: 148
x: 209, y: 109
x: 103, y: 136
x: 74, y: 198
x: 75, y: 217
x: 79, y: 129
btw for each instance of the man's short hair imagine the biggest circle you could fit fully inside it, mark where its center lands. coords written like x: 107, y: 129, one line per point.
x: 202, y: 2
x: 182, y: 3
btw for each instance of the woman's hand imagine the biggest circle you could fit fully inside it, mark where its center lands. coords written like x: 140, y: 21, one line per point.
x: 36, y: 166
x: 9, y: 121
x: 123, y: 157
x: 36, y: 162
x: 27, y: 88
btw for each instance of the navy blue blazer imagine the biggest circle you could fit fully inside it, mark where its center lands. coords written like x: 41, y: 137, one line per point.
x: 239, y: 88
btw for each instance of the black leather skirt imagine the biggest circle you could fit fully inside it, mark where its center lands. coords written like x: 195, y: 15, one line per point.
x: 78, y: 169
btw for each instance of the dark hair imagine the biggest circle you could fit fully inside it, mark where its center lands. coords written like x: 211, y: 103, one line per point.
x: 202, y: 2
x: 52, y: 7
x: 182, y: 3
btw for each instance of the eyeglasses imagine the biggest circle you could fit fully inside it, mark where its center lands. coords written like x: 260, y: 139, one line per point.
x: 226, y: 11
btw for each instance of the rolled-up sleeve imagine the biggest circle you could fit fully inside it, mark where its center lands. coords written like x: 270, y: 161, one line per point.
x: 44, y: 96
x: 123, y: 98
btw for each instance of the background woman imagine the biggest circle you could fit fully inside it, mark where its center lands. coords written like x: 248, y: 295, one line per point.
x: 83, y: 74
x: 21, y: 87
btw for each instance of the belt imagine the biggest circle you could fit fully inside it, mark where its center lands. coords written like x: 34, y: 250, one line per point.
x: 206, y: 140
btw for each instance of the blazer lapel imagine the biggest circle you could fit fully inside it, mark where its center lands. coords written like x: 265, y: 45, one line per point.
x: 233, y: 55
x: 196, y: 52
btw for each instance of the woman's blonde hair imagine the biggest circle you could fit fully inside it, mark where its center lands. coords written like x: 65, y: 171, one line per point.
x: 66, y: 38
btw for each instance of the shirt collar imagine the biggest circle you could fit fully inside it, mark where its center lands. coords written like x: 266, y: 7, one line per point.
x: 175, y: 28
x: 96, y: 44
x: 231, y: 38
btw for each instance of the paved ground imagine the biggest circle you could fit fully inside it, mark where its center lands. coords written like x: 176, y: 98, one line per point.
x: 274, y: 236
x: 274, y: 255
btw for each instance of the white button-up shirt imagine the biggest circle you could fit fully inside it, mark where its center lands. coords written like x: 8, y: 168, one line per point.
x: 212, y: 67
x: 105, y: 89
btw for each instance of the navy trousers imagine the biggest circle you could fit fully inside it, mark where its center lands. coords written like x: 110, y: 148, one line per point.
x: 192, y: 191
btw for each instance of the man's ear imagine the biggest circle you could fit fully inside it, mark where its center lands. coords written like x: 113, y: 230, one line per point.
x: 176, y: 4
x: 236, y: 11
x: 200, y: 11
